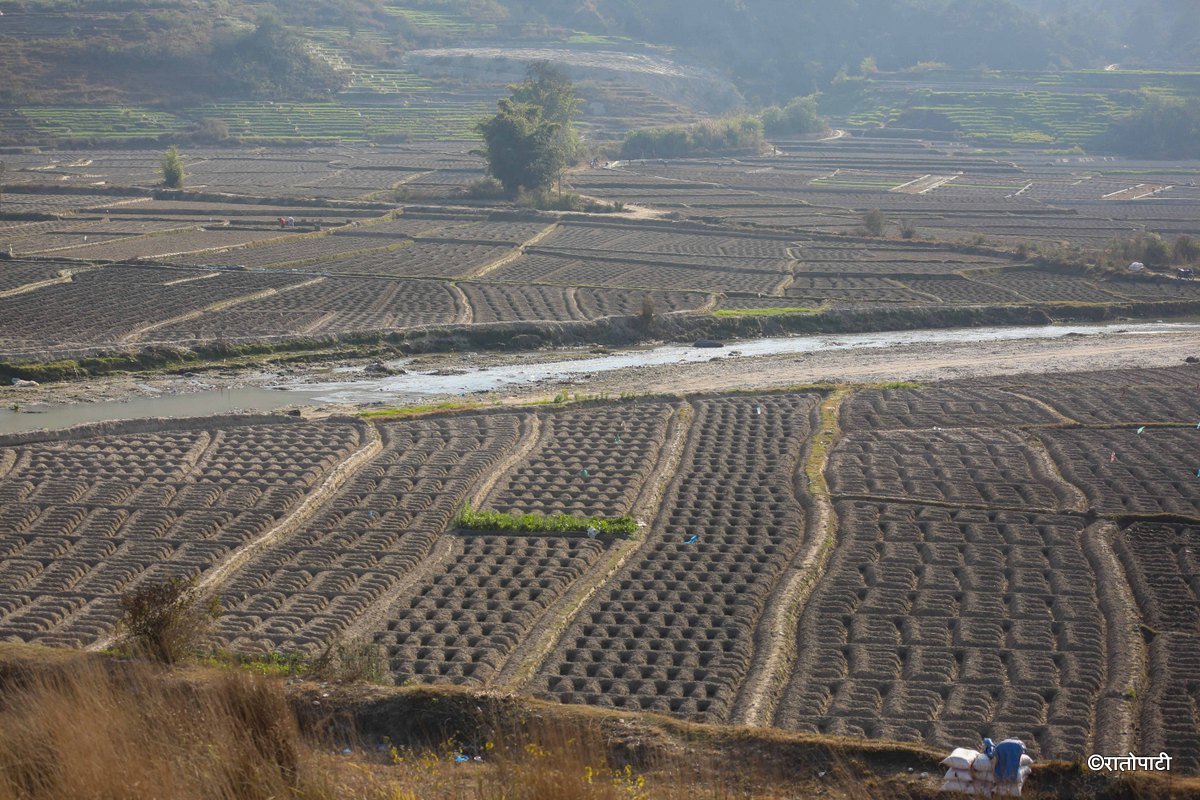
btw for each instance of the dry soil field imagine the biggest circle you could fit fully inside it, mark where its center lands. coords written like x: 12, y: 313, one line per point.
x: 388, y: 245
x: 987, y: 557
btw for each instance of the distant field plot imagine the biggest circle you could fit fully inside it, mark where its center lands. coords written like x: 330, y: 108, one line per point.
x: 334, y: 305
x: 336, y: 123
x: 673, y: 630
x: 73, y: 239
x: 664, y: 274
x: 957, y: 290
x: 1165, y: 289
x: 936, y: 625
x: 111, y: 123
x: 293, y: 249
x: 595, y: 303
x: 864, y: 289
x: 105, y: 306
x: 1154, y: 472
x: 589, y: 462
x: 353, y: 559
x: 632, y: 241
x: 1105, y: 406
x: 967, y: 466
x: 939, y: 407
x: 505, y: 302
x: 174, y: 247
x: 85, y: 519
x: 432, y: 259
x: 16, y: 274
x: 1048, y: 287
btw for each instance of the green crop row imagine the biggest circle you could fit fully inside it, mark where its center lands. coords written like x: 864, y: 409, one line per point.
x: 470, y: 519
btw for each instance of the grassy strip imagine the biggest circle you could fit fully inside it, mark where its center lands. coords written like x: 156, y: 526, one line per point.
x: 471, y: 519
x: 416, y: 411
x: 764, y: 312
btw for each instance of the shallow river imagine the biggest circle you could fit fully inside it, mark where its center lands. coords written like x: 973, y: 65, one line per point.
x: 362, y: 388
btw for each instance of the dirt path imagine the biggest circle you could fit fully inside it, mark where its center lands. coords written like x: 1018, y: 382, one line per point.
x: 776, y: 635
x: 466, y: 313
x: 541, y: 640
x: 1114, y: 717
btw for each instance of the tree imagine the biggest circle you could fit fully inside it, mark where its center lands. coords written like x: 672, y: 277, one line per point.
x: 531, y: 140
x: 172, y: 168
x: 875, y: 222
x: 800, y: 116
x: 523, y: 149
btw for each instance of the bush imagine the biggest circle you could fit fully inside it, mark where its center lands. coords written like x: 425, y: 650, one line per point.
x: 172, y: 168
x: 800, y: 117
x: 874, y: 222
x: 168, y: 621
x: 710, y: 137
x: 484, y: 189
x: 352, y: 662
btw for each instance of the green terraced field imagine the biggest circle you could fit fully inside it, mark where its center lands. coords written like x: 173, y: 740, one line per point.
x: 1010, y: 107
x: 439, y: 23
x: 102, y: 122
x: 333, y: 121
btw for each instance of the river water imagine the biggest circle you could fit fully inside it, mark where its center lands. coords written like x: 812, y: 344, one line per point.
x: 360, y: 388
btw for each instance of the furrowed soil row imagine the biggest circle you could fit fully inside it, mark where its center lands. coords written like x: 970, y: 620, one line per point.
x: 87, y: 517
x: 775, y: 651
x: 544, y: 637
x: 590, y: 461
x: 1125, y: 650
x: 673, y: 630
x: 941, y: 625
x: 345, y: 565
x: 1162, y: 563
x: 138, y: 333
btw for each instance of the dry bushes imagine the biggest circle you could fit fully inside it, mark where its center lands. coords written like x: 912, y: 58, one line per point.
x: 167, y: 621
x: 86, y: 729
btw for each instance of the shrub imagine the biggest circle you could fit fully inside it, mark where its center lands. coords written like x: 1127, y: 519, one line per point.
x: 355, y: 661
x: 168, y: 621
x: 172, y: 168
x: 874, y: 222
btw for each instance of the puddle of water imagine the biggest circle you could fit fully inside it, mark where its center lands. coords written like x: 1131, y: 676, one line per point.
x: 369, y: 389
x: 366, y: 390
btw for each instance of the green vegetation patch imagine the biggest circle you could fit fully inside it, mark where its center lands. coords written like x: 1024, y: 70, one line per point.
x: 470, y: 519
x: 764, y: 312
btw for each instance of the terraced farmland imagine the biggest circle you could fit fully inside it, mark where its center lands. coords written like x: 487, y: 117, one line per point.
x: 923, y: 564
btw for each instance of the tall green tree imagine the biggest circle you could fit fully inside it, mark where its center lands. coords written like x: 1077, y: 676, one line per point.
x: 532, y: 139
x: 523, y: 149
x: 172, y: 168
x: 548, y: 87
